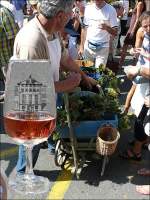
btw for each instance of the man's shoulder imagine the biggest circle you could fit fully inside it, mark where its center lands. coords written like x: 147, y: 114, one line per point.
x: 30, y: 34
x: 109, y: 8
x: 31, y: 28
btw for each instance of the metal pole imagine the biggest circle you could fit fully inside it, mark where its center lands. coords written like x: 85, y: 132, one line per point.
x: 71, y: 133
x: 105, y: 161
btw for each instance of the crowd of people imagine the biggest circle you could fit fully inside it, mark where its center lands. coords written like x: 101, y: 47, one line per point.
x: 63, y: 31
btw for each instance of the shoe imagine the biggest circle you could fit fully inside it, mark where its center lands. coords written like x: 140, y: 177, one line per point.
x: 44, y: 145
x: 130, y: 156
x: 52, y: 151
x: 2, y: 97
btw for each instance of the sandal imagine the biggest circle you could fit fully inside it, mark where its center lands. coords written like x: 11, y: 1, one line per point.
x: 130, y: 155
x: 144, y: 172
x: 143, y: 189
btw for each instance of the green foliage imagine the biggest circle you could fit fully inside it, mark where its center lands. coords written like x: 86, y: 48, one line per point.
x: 92, y: 107
x: 86, y: 107
x: 124, y: 121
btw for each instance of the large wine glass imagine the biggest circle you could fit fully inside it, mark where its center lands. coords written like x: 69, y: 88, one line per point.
x: 29, y: 116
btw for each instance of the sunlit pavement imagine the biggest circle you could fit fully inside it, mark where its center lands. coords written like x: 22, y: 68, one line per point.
x: 118, y: 181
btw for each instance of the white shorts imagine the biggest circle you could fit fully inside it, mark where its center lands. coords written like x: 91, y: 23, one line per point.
x: 99, y: 57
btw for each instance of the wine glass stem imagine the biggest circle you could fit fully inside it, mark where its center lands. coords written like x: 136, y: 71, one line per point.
x: 29, y: 166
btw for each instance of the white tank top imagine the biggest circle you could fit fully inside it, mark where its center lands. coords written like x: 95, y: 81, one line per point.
x: 55, y: 56
x: 142, y: 89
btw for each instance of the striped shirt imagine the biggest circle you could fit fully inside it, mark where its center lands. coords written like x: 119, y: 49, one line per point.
x: 143, y: 61
x: 8, y: 31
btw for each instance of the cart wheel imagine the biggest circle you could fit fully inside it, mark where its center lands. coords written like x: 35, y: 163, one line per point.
x: 60, y: 154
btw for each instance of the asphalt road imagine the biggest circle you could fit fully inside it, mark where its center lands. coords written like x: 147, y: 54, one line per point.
x: 118, y: 182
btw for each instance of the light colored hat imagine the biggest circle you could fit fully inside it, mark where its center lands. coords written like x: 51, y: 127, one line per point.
x: 33, y: 2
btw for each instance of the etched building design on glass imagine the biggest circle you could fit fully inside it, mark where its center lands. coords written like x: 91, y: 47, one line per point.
x: 30, y: 95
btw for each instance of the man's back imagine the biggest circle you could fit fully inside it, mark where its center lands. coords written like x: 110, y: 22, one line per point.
x: 30, y: 42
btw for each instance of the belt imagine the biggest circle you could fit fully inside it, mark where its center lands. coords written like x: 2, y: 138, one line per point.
x: 97, y: 45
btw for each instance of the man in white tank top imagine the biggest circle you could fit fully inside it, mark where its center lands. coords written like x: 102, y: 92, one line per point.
x: 39, y: 39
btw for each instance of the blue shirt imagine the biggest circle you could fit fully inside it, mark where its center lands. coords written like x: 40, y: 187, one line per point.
x: 18, y: 3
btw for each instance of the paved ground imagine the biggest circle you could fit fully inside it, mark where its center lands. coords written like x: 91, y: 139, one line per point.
x: 118, y: 182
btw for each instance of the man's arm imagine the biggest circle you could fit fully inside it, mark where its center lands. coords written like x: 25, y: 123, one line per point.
x: 110, y: 30
x: 71, y: 82
x: 83, y: 38
x: 112, y: 27
x: 68, y: 64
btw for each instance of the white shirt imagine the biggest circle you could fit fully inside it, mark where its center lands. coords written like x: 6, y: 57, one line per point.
x: 55, y: 56
x: 93, y: 17
x: 142, y: 89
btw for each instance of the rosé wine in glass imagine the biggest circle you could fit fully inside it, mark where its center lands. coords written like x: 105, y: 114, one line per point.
x: 23, y: 126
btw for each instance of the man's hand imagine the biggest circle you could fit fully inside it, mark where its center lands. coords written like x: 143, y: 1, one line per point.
x: 74, y: 79
x: 103, y: 26
x: 88, y: 81
x: 81, y: 50
x: 110, y: 30
x: 69, y: 83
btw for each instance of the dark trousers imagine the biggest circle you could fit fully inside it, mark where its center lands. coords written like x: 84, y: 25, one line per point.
x: 139, y: 132
x: 123, y: 32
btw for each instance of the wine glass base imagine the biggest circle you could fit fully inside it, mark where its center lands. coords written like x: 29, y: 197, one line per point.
x: 29, y: 187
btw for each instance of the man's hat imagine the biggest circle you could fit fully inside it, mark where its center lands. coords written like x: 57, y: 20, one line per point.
x: 70, y: 29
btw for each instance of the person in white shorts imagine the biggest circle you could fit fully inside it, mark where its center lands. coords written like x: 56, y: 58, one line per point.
x: 100, y: 20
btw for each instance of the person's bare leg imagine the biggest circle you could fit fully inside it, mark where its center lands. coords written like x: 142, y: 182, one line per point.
x: 137, y: 148
x: 143, y: 189
x: 123, y: 55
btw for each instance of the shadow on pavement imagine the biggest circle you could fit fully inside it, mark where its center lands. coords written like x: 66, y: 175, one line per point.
x: 118, y: 170
x: 51, y: 174
x: 8, y: 153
